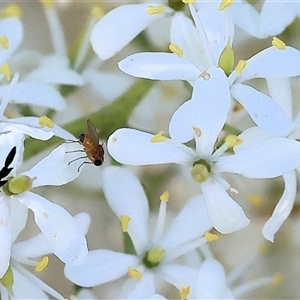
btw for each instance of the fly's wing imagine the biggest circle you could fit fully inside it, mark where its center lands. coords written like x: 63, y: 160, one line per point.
x: 93, y: 132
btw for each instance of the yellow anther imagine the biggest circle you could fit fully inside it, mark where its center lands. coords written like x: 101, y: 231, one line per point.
x: 224, y: 4
x: 6, y: 71
x: 233, y: 140
x: 48, y: 3
x: 240, y: 66
x: 158, y: 138
x: 41, y: 265
x: 255, y: 199
x: 279, y: 44
x: 98, y: 12
x: 188, y: 1
x: 164, y: 196
x: 184, y: 292
x: 45, y: 121
x: 262, y: 249
x: 124, y: 222
x: 151, y: 10
x: 4, y: 42
x: 210, y: 237
x: 12, y: 10
x: 277, y: 279
x: 176, y: 50
x: 134, y: 273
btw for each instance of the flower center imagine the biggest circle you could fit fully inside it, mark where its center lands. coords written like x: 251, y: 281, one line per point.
x: 153, y: 257
x: 201, y: 170
x: 17, y: 185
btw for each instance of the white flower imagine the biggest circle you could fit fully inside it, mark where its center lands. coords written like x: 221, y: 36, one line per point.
x: 202, y: 118
x: 62, y: 233
x: 156, y: 254
x: 23, y: 284
x: 122, y: 24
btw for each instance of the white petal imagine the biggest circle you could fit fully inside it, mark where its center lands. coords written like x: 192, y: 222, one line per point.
x: 225, y: 214
x: 160, y: 66
x: 211, y: 281
x: 283, y: 208
x: 263, y: 110
x: 12, y: 29
x: 247, y: 17
x: 144, y: 288
x: 55, y: 168
x: 128, y: 199
x: 19, y: 214
x: 210, y: 106
x: 266, y: 159
x: 272, y: 62
x: 276, y: 16
x: 99, y: 267
x: 133, y: 147
x: 62, y: 232
x: 191, y: 223
x: 119, y: 26
x: 36, y: 133
x: 37, y: 94
x: 181, y: 127
x: 5, y: 235
x: 181, y: 24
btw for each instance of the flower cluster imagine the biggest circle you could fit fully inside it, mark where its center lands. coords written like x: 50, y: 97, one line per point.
x: 182, y: 148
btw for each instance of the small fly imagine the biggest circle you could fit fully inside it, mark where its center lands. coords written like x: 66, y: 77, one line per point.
x: 90, y: 142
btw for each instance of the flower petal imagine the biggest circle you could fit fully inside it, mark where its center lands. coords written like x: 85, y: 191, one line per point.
x: 62, y: 232
x: 265, y: 159
x: 119, y: 26
x: 128, y: 199
x: 19, y: 214
x: 55, y: 168
x: 35, y: 93
x: 283, y: 208
x: 225, y: 214
x: 5, y: 236
x: 263, y: 110
x: 159, y: 66
x: 191, y: 223
x: 210, y: 106
x: 181, y: 127
x: 133, y: 147
x: 99, y: 267
x: 272, y: 62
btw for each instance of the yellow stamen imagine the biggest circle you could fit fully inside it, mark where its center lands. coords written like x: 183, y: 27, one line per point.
x: 12, y: 10
x: 159, y: 137
x: 176, y: 50
x: 240, y: 66
x: 98, y: 12
x: 164, y: 196
x: 48, y: 3
x: 4, y: 42
x: 45, y: 121
x: 41, y: 265
x: 184, y: 292
x: 151, y: 10
x: 279, y: 44
x: 188, y: 1
x: 255, y: 199
x: 224, y: 4
x: 6, y: 71
x: 277, y: 279
x: 210, y: 237
x: 134, y: 273
x: 124, y: 222
x: 232, y: 140
x: 262, y: 249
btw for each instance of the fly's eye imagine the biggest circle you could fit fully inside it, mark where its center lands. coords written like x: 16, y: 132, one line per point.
x: 81, y: 137
x: 98, y: 162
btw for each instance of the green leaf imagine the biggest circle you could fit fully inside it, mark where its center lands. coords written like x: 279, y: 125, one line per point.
x: 113, y: 116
